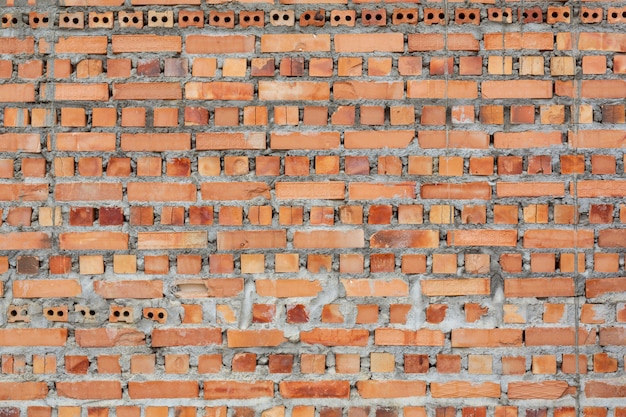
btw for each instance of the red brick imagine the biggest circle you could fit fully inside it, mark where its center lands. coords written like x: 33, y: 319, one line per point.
x: 296, y: 90
x: 516, y: 89
x: 328, y: 239
x: 391, y: 389
x: 40, y: 288
x: 274, y: 43
x: 315, y: 389
x: 73, y: 92
x: 88, y: 191
x: 171, y: 240
x: 17, y: 46
x: 464, y: 389
x: 109, y: 337
x: 219, y: 90
x: 221, y: 390
x: 129, y: 289
x: 204, y: 44
x: 148, y: 191
x: 255, y: 338
x: 93, y: 240
x: 486, y: 337
x: 23, y: 391
x: 81, y: 45
x: 25, y: 241
x: 147, y: 91
x: 369, y: 42
x: 90, y: 390
x: 17, y: 93
x: 304, y: 140
x: 163, y: 389
x: 145, y: 43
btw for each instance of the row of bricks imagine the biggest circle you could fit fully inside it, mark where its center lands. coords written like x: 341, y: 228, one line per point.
x: 364, y: 314
x: 301, y: 389
x: 198, y: 288
x: 359, y: 314
x: 333, y: 313
x: 315, y: 90
x: 118, y: 3
x: 438, y: 263
x: 314, y: 215
x: 507, y: 337
x: 152, y: 166
x: 138, y: 192
x: 316, y: 17
x: 330, y: 313
x: 390, y: 42
x: 237, y: 240
x: 102, y: 142
x: 134, y: 117
x: 381, y: 410
x: 317, y: 67
x: 310, y: 116
x: 289, y: 313
x: 524, y: 65
x: 339, y: 363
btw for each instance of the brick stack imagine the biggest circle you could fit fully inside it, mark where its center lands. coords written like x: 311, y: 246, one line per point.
x: 295, y: 209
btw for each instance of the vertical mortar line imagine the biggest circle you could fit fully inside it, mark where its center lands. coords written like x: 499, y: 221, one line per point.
x: 574, y: 122
x: 448, y: 120
x: 50, y: 81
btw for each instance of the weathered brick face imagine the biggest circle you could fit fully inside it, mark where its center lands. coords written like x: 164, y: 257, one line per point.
x: 311, y: 208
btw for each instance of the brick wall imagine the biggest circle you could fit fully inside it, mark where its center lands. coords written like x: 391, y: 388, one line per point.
x: 303, y: 209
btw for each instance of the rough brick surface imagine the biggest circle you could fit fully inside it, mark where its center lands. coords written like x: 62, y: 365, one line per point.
x: 302, y: 208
